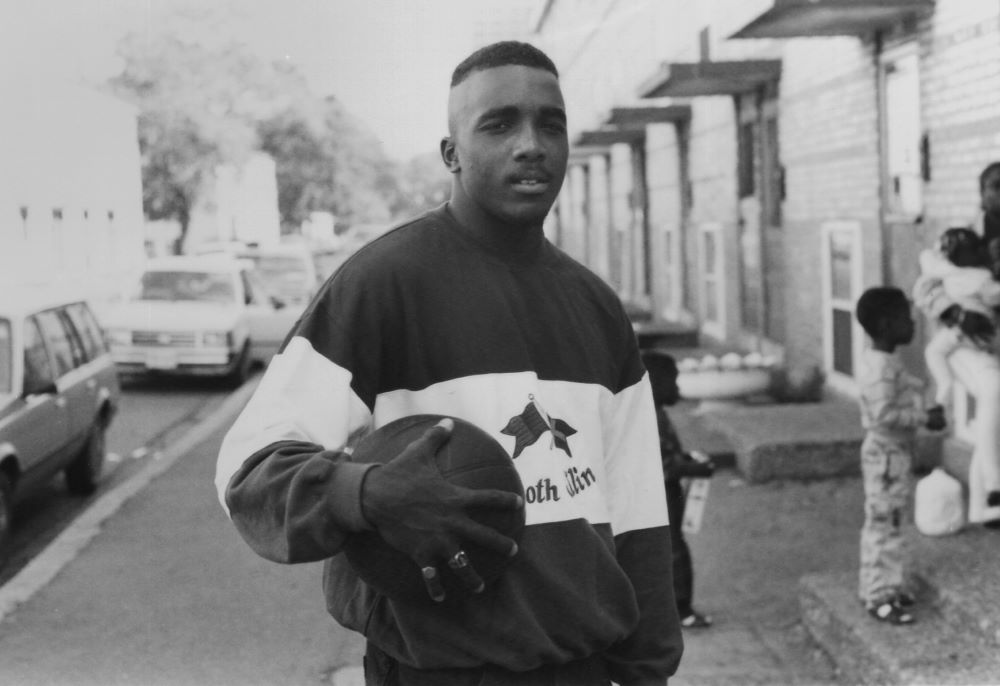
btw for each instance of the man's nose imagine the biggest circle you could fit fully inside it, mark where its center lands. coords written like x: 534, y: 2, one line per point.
x: 528, y: 143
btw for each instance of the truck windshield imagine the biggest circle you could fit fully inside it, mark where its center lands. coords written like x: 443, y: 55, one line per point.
x: 182, y: 285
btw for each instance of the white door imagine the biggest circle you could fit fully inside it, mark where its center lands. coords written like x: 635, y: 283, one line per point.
x: 843, y: 337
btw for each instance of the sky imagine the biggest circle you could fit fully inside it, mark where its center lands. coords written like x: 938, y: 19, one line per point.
x: 387, y: 61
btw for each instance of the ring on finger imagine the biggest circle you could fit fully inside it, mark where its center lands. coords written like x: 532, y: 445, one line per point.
x: 459, y: 560
x: 433, y: 582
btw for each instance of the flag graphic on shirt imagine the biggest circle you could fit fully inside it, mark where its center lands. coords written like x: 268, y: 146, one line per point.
x: 528, y: 427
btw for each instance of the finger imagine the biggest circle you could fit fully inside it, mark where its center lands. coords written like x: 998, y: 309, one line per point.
x: 489, y: 497
x: 437, y: 435
x: 460, y: 564
x: 432, y: 580
x: 473, y: 532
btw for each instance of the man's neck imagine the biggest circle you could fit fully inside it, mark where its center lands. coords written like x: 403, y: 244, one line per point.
x: 884, y: 346
x: 507, y: 240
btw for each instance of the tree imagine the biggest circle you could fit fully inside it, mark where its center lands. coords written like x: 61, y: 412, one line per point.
x: 205, y: 99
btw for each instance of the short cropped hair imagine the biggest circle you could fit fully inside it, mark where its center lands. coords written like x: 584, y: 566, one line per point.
x: 503, y: 54
x: 876, y: 305
x: 963, y: 247
x: 991, y: 169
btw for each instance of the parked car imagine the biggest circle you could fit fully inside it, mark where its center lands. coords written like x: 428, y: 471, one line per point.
x: 287, y: 270
x: 198, y: 315
x: 58, y: 394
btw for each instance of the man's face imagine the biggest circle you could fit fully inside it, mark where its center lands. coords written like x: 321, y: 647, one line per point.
x: 508, y: 144
x: 990, y: 195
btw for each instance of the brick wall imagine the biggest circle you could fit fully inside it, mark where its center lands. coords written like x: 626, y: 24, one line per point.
x: 829, y: 131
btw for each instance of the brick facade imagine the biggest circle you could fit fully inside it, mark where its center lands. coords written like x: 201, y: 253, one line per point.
x: 831, y: 115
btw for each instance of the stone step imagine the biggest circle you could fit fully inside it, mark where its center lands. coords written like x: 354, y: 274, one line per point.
x: 955, y: 639
x: 790, y: 441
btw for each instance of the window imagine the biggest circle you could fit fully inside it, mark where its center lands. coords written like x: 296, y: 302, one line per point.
x: 181, y: 285
x: 841, y: 285
x: 57, y: 341
x: 86, y: 329
x: 37, y: 366
x: 256, y: 291
x: 6, y: 368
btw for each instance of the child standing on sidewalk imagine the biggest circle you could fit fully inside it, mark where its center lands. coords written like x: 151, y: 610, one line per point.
x: 677, y: 465
x: 891, y: 411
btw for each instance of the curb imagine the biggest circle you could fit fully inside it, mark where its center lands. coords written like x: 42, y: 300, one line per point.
x: 74, y: 538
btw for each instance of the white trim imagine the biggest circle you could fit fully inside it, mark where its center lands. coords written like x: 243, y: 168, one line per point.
x: 716, y: 329
x: 841, y: 382
x: 675, y: 272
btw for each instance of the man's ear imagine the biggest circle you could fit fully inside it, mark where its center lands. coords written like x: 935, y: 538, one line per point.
x: 450, y: 155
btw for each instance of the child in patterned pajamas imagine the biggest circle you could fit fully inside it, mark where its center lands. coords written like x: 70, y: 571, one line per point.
x: 891, y: 411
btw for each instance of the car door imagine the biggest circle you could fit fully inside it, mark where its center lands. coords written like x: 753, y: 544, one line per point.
x: 269, y: 322
x: 71, y: 374
x: 40, y: 433
x: 102, y: 379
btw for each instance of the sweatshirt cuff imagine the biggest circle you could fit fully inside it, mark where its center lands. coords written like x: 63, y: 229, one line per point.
x: 346, y: 495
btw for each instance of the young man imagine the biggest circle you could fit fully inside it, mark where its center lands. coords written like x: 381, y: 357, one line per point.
x: 468, y: 311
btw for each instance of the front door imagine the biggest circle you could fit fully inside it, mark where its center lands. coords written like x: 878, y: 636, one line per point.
x: 760, y: 187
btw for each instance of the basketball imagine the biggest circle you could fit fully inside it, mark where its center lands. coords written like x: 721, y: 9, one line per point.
x: 470, y: 458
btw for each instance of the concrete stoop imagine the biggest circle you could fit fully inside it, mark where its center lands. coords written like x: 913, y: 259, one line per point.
x: 790, y: 441
x: 956, y: 638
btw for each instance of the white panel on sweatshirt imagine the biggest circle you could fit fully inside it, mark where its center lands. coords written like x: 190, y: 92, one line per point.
x: 594, y: 469
x: 596, y: 457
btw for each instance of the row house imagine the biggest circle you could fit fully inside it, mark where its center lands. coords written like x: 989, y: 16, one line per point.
x: 748, y: 167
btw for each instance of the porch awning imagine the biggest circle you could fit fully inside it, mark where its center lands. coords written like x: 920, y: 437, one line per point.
x: 609, y: 135
x: 692, y: 79
x: 804, y: 18
x: 636, y: 117
x: 581, y: 154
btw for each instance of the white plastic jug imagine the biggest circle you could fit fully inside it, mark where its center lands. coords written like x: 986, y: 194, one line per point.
x: 939, y: 506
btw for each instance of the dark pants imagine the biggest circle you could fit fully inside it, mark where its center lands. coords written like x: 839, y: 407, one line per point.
x: 683, y: 572
x: 383, y: 670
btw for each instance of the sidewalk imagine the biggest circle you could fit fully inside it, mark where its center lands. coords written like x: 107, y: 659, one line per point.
x: 166, y: 593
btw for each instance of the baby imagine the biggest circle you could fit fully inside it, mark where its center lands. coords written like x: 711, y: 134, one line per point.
x: 962, y: 263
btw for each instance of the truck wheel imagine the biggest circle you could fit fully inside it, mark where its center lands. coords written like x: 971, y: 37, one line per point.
x: 241, y: 372
x: 84, y: 471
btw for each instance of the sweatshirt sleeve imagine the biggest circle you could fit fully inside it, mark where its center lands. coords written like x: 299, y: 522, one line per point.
x: 284, y: 474
x: 642, y: 542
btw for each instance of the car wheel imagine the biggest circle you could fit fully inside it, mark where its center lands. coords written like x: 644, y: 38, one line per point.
x: 84, y: 471
x: 241, y: 372
x: 6, y: 510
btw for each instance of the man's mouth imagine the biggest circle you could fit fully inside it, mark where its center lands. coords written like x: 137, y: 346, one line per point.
x: 530, y: 184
